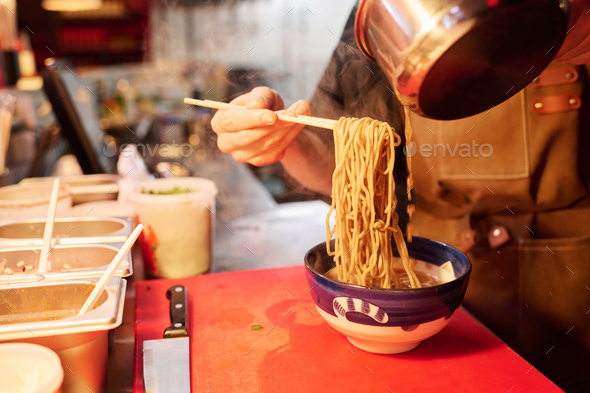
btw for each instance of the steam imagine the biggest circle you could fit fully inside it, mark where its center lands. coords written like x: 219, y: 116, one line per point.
x: 283, y: 44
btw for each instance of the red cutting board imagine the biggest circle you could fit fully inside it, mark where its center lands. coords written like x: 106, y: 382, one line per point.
x: 296, y: 352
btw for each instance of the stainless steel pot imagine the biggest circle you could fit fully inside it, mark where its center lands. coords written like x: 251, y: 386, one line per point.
x: 450, y: 59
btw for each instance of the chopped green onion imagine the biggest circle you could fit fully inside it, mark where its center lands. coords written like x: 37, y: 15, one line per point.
x: 173, y: 191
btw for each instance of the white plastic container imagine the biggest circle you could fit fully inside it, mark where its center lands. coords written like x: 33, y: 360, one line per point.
x: 32, y: 201
x: 177, y: 238
x: 29, y: 368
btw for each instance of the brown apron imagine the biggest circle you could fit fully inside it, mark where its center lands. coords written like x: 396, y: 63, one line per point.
x: 523, y: 165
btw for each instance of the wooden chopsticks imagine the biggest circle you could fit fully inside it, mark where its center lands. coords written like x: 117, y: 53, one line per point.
x: 307, y: 120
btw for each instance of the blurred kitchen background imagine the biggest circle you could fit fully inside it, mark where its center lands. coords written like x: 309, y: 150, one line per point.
x: 133, y: 61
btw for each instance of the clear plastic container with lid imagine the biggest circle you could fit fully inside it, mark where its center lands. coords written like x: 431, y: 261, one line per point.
x: 178, y: 215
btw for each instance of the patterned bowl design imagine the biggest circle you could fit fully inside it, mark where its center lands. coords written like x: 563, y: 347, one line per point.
x: 389, y: 320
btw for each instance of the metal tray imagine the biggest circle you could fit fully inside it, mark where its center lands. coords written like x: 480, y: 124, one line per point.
x: 44, y: 313
x: 49, y: 308
x: 92, y: 259
x: 70, y: 230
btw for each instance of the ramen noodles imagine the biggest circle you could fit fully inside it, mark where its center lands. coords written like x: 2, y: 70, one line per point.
x: 364, y: 201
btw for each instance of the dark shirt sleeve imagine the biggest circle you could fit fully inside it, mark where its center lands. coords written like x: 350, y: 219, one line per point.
x: 352, y: 86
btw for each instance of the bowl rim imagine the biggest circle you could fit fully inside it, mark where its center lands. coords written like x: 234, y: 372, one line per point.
x: 356, y: 286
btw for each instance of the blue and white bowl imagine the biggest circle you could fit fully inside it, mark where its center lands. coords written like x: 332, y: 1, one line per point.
x: 391, y: 321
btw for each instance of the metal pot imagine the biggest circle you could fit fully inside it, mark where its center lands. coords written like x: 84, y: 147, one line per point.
x: 450, y: 59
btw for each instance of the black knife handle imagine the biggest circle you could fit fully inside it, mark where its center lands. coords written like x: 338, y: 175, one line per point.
x: 178, y: 312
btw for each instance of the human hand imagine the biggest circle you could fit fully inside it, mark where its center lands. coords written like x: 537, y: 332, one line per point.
x: 256, y: 135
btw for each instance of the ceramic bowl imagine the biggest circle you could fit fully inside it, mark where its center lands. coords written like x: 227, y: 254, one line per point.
x: 389, y: 321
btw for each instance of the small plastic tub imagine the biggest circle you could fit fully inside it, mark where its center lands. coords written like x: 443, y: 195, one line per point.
x: 178, y: 218
x: 29, y: 368
x: 32, y: 201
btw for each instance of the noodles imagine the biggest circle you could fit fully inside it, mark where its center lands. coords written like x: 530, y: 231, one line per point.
x: 363, y: 197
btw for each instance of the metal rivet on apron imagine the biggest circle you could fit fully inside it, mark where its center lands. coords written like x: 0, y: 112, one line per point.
x: 539, y: 105
x: 573, y: 101
x: 536, y: 80
x: 569, y: 75
x: 498, y: 236
x: 468, y: 239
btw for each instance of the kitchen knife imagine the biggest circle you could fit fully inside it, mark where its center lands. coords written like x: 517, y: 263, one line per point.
x: 166, y: 362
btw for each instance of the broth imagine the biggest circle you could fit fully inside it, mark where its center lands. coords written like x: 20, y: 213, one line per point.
x: 427, y: 280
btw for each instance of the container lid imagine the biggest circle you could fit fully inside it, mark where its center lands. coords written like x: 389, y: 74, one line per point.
x: 180, y: 189
x: 27, y: 195
x: 30, y: 368
x: 74, y: 180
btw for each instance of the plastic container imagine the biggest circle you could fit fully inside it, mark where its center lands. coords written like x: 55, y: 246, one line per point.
x: 32, y: 201
x: 29, y: 368
x: 177, y: 239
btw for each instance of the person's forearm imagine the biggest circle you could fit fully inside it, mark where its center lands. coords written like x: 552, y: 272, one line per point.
x: 310, y: 161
